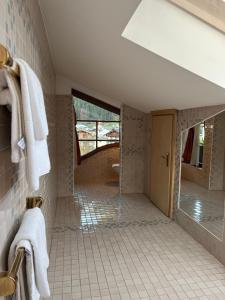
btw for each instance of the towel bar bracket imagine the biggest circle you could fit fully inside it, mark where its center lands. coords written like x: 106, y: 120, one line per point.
x: 6, y: 61
x: 34, y: 202
x: 7, y: 284
x: 8, y: 280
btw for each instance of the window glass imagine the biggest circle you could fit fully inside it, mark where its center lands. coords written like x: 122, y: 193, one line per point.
x: 89, y: 111
x: 104, y: 143
x: 108, y: 131
x: 87, y: 146
x: 96, y: 127
x: 86, y: 130
x: 202, y: 133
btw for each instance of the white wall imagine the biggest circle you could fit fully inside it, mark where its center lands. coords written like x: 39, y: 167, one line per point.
x: 64, y: 86
x: 179, y: 37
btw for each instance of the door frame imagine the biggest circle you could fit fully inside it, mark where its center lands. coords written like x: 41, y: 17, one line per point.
x: 173, y: 113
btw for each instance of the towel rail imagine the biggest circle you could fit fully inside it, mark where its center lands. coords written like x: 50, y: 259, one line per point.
x: 7, y: 62
x: 8, y: 280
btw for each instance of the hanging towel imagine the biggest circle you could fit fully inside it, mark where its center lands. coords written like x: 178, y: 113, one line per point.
x: 26, y: 284
x: 36, y: 99
x: 22, y: 288
x: 32, y: 236
x: 10, y: 95
x: 35, y: 126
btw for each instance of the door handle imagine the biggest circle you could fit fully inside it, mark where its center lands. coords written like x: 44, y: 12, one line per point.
x: 166, y: 157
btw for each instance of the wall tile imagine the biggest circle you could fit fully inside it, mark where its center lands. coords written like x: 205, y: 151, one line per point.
x: 65, y: 140
x: 133, y: 150
x: 22, y: 32
x: 98, y: 168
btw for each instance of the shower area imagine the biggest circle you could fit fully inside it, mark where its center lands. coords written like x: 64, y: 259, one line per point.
x: 96, y: 141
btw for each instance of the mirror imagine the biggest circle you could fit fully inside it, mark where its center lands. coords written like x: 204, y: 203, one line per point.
x: 202, y: 182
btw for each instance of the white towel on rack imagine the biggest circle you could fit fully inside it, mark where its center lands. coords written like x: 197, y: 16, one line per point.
x: 36, y: 98
x: 26, y: 286
x: 10, y: 95
x: 35, y: 125
x: 32, y: 236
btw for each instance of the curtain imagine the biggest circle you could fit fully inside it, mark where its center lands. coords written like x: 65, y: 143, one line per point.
x: 189, y: 146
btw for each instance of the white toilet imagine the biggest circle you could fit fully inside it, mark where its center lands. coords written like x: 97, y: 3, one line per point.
x: 116, y: 168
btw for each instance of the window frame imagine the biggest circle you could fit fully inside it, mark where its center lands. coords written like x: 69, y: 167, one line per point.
x: 106, y: 106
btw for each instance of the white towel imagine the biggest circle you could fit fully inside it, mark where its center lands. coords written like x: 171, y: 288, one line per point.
x: 32, y: 236
x: 10, y: 95
x: 26, y: 285
x: 35, y: 126
x: 36, y: 98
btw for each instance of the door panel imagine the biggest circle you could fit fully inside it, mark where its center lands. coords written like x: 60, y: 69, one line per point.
x: 161, y: 161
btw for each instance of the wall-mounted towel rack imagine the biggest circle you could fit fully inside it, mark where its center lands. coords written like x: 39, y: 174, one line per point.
x: 8, y: 280
x: 7, y: 62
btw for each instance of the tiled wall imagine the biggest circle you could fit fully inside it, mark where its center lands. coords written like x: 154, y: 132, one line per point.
x: 186, y: 119
x: 98, y: 168
x: 65, y: 140
x: 217, y: 174
x: 147, y: 190
x: 7, y: 168
x: 133, y: 152
x: 22, y: 31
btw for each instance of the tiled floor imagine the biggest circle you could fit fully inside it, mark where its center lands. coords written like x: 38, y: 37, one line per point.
x: 204, y: 206
x: 111, y: 247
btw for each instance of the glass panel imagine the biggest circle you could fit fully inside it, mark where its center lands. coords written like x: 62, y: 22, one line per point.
x: 86, y: 147
x: 86, y: 130
x: 202, y: 181
x: 108, y: 131
x: 88, y: 111
x: 103, y: 143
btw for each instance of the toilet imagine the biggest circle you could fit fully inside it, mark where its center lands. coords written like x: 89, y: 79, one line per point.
x: 116, y: 168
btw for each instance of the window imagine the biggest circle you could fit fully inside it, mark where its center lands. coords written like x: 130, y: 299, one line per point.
x: 202, y: 133
x: 201, y: 145
x: 98, y: 124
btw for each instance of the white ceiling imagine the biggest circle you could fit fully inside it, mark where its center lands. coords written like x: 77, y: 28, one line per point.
x: 87, y: 47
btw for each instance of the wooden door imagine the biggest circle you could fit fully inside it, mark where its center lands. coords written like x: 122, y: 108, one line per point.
x: 162, y: 160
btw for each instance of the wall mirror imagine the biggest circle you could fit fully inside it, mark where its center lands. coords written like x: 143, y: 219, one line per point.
x: 202, y: 182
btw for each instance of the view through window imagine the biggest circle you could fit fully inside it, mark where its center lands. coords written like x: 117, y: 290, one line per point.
x: 96, y: 127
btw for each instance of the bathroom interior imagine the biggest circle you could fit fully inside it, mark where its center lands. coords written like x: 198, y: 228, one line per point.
x: 112, y: 149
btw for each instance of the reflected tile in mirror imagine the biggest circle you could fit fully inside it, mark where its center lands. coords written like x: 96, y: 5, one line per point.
x: 204, y: 206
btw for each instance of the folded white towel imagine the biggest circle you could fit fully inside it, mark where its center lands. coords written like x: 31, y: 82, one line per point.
x: 11, y: 96
x: 35, y: 126
x: 32, y: 236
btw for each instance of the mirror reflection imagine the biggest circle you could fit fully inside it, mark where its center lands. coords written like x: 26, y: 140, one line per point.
x: 202, y: 191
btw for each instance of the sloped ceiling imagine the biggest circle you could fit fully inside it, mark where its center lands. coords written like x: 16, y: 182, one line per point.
x: 87, y: 48
x: 179, y: 37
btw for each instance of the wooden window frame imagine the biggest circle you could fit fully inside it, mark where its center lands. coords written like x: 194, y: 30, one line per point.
x: 106, y: 106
